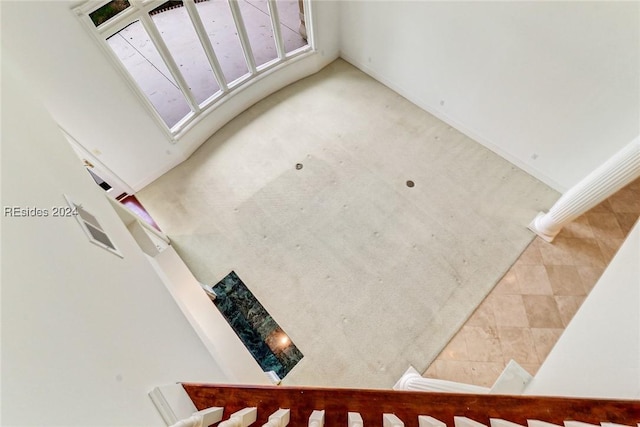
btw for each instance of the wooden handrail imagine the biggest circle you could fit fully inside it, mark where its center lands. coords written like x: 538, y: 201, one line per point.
x: 407, y: 405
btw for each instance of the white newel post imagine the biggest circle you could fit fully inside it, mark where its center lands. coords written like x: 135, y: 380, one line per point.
x: 611, y: 176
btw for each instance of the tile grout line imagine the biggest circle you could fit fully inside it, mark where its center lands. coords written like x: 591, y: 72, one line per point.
x: 581, y: 247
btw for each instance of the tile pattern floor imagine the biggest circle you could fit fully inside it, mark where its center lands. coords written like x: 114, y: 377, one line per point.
x: 527, y: 311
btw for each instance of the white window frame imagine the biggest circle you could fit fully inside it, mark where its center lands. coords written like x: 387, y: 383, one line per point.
x: 139, y: 11
x: 74, y: 210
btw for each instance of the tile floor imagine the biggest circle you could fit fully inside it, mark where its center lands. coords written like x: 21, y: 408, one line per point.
x: 527, y: 311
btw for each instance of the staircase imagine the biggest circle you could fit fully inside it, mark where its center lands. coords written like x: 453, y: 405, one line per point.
x: 240, y: 406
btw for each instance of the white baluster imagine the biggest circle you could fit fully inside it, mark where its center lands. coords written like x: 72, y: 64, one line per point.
x: 203, y: 418
x: 194, y: 420
x: 578, y: 424
x: 354, y: 419
x: 466, y: 422
x: 537, y: 423
x: 280, y: 418
x: 243, y: 418
x: 497, y: 422
x: 426, y: 421
x: 210, y: 415
x: 316, y: 419
x: 390, y: 420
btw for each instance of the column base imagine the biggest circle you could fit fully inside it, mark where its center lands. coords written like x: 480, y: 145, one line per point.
x: 533, y: 227
x: 412, y: 380
x: 410, y: 373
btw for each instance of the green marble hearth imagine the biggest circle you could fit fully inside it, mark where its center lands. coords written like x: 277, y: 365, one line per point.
x: 269, y: 345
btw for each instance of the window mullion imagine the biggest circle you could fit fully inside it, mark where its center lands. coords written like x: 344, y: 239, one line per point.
x: 277, y: 31
x: 242, y: 33
x: 163, y: 50
x: 308, y: 23
x: 206, y: 44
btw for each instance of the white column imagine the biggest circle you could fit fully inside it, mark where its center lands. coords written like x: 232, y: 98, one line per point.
x: 412, y: 380
x: 603, y: 182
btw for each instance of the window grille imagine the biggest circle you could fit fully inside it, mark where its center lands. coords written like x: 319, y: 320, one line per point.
x: 184, y: 56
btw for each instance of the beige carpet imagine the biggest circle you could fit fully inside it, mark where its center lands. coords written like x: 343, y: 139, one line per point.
x: 366, y: 275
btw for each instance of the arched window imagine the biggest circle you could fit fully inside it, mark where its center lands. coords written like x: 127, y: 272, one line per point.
x: 184, y: 56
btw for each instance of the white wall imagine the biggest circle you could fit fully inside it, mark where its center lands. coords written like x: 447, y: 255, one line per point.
x: 551, y: 86
x: 85, y: 334
x: 214, y: 330
x: 90, y: 99
x: 552, y: 80
x: 598, y: 355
